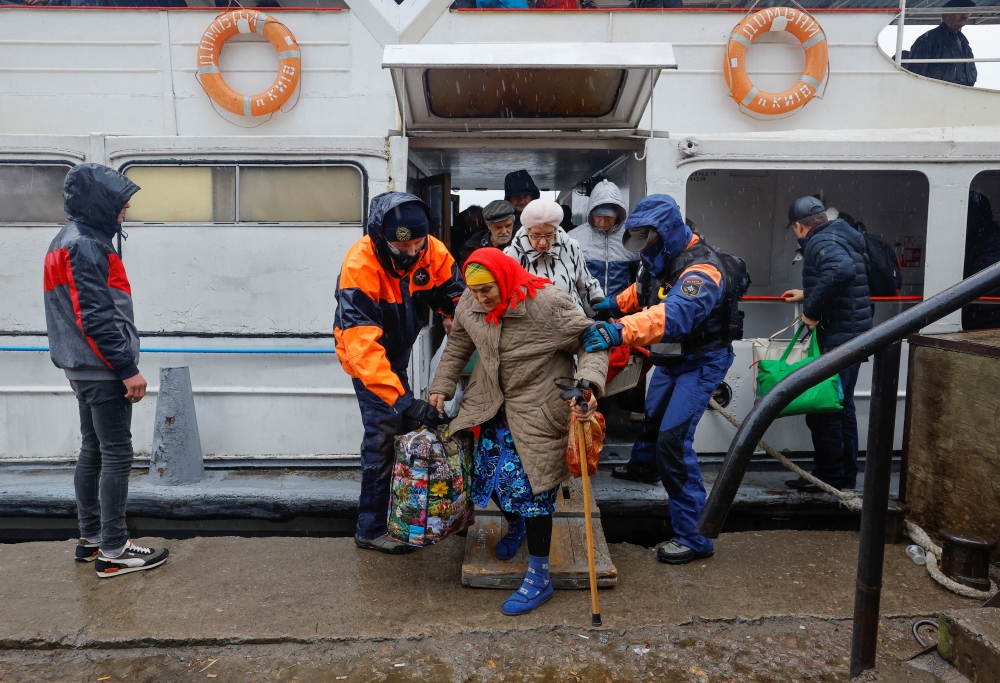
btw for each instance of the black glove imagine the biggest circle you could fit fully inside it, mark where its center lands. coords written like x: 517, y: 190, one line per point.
x: 424, y: 413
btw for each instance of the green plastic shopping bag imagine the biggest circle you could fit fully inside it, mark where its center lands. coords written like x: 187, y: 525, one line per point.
x: 825, y: 397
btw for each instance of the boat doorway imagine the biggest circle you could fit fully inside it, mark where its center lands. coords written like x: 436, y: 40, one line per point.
x: 563, y: 170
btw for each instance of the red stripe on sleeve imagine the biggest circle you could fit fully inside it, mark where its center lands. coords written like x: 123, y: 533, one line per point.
x: 57, y: 270
x: 117, y: 279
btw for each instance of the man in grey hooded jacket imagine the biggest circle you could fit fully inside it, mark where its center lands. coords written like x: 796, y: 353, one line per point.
x: 600, y: 238
x: 92, y: 338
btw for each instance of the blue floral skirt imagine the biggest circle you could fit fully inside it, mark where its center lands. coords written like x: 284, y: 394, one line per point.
x: 498, y: 470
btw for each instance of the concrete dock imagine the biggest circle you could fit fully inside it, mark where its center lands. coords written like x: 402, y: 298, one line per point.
x: 774, y: 601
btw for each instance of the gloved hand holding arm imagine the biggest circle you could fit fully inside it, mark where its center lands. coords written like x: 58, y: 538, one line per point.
x: 602, y: 336
x: 602, y: 309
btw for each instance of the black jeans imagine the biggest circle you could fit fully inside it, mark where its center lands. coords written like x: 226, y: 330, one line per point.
x: 102, y: 471
x: 835, y: 437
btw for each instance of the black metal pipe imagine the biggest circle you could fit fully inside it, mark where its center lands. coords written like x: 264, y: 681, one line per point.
x: 878, y: 469
x: 756, y: 423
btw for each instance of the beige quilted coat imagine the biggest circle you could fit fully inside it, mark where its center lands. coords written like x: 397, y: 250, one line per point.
x: 518, y: 360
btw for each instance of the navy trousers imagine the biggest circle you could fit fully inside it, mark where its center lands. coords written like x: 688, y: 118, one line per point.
x: 677, y: 397
x: 835, y: 437
x: 382, y: 425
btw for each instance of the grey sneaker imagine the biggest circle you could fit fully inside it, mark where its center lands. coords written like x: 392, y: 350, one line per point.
x: 134, y: 558
x: 384, y: 544
x: 86, y: 550
x: 676, y: 553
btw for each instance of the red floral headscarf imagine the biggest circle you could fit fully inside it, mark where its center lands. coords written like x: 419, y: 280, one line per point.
x: 515, y: 283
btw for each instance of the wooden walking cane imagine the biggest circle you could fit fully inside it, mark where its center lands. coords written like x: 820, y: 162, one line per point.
x: 581, y: 437
x: 573, y: 390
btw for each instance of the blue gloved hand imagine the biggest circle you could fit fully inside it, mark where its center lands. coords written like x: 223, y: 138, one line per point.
x: 602, y: 336
x: 602, y: 305
x: 602, y: 309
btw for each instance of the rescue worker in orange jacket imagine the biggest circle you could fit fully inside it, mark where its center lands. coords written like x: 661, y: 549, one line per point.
x: 388, y: 284
x: 686, y: 323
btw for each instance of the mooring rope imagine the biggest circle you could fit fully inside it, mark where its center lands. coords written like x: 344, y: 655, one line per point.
x: 852, y: 501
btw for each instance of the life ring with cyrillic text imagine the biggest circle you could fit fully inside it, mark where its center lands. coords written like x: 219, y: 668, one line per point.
x: 227, y: 25
x: 808, y: 32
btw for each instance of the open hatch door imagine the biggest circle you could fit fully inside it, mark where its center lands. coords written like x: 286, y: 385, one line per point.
x: 527, y: 86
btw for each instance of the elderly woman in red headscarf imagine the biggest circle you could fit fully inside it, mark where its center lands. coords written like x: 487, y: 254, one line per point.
x: 526, y: 331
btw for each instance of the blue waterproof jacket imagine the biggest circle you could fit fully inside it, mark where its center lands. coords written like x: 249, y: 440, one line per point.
x: 835, y: 282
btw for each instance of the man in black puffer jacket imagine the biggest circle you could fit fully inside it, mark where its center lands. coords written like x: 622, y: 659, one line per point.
x: 837, y: 306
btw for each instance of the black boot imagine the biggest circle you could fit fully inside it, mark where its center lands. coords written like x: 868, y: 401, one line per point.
x: 623, y: 472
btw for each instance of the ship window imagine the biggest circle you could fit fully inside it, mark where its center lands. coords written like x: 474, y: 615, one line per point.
x: 32, y: 193
x: 183, y: 194
x: 266, y: 194
x: 522, y: 93
x: 310, y: 194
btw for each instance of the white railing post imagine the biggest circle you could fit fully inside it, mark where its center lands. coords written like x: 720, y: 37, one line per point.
x: 899, y: 32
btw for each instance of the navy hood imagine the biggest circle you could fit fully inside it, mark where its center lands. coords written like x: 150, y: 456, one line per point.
x: 662, y: 213
x: 519, y: 182
x: 380, y: 206
x: 94, y: 195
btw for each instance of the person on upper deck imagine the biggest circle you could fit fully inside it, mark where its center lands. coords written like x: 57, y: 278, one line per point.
x: 608, y: 260
x: 946, y: 42
x: 836, y: 305
x: 527, y: 334
x: 519, y: 189
x: 390, y: 280
x: 544, y: 249
x: 499, y: 218
x: 679, y: 309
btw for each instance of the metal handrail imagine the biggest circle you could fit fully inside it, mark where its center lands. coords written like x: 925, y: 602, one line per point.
x: 884, y: 341
x: 861, y: 347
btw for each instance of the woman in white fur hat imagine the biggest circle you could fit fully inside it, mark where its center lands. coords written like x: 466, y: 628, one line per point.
x: 544, y: 249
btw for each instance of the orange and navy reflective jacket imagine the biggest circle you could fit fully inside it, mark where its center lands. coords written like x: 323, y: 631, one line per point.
x: 88, y: 300
x: 685, y: 306
x: 380, y: 311
x: 680, y: 285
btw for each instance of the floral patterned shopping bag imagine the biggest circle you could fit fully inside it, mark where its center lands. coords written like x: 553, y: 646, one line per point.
x: 430, y: 495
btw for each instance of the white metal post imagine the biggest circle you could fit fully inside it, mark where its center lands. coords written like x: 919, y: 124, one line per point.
x: 899, y: 32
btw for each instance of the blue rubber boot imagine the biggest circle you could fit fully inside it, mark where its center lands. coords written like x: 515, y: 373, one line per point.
x: 536, y: 589
x: 508, y: 546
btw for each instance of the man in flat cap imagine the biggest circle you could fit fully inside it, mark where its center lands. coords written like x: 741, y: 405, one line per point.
x: 499, y: 218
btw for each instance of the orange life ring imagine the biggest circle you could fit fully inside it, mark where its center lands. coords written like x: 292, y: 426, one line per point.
x: 796, y: 22
x: 226, y: 26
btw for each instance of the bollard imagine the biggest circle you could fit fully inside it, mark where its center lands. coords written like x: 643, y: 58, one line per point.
x: 965, y: 558
x: 176, y: 457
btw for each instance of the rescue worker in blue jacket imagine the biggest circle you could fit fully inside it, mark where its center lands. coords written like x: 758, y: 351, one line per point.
x: 608, y: 260
x: 390, y: 280
x: 683, y: 318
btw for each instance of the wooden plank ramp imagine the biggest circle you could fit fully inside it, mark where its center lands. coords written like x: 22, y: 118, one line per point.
x: 567, y: 558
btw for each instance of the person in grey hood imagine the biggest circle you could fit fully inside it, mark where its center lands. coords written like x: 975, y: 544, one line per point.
x: 614, y: 266
x: 93, y: 339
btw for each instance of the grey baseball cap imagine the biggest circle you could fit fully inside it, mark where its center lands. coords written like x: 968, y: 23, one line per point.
x: 803, y: 207
x: 637, y: 239
x: 608, y: 210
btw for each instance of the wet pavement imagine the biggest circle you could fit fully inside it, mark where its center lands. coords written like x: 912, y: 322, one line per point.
x: 770, y: 606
